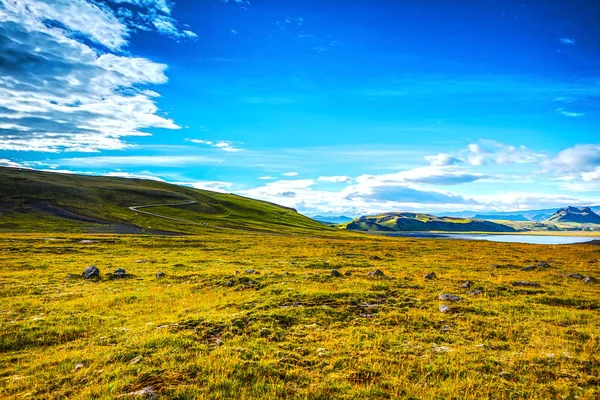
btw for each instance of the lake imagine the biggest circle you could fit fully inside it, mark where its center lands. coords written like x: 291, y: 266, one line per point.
x: 534, y: 239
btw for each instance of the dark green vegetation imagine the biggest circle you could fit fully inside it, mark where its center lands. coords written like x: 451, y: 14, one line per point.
x: 33, y: 201
x: 582, y: 215
x: 391, y: 222
x: 294, y: 330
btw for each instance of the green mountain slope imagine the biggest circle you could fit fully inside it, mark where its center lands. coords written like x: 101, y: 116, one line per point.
x: 45, y: 201
x: 392, y: 222
x: 582, y: 215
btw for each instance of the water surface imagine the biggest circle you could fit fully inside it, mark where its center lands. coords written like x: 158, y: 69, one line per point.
x: 534, y: 239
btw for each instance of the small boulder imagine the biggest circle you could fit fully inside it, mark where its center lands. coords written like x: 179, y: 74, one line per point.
x: 91, y: 272
x: 335, y: 273
x: 575, y: 276
x: 145, y: 393
x: 475, y: 292
x: 542, y: 264
x: 375, y: 258
x: 78, y: 366
x: 529, y: 268
x: 445, y: 309
x: 377, y: 272
x: 449, y: 297
x: 120, y: 273
x: 589, y: 279
x: 348, y: 273
x: 525, y: 283
x: 229, y: 283
x: 160, y: 275
x: 467, y: 284
x: 430, y: 275
x: 251, y: 272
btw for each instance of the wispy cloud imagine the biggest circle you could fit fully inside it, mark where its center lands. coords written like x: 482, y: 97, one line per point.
x: 68, y: 84
x: 290, y: 174
x: 117, y: 161
x: 569, y: 113
x: 487, y: 151
x: 568, y: 41
x: 224, y: 145
x: 335, y: 179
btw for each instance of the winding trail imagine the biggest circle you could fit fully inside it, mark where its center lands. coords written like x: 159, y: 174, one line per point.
x: 137, y: 210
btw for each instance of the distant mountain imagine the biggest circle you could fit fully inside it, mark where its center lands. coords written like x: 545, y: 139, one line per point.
x: 329, y: 219
x: 582, y: 215
x: 532, y: 215
x: 495, y: 217
x: 391, y: 222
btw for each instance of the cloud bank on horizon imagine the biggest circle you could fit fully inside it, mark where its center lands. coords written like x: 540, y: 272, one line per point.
x: 370, y: 107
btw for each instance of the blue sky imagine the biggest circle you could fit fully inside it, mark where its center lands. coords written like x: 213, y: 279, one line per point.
x: 330, y: 107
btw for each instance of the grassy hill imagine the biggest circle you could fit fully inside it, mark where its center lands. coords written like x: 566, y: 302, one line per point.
x: 392, y: 222
x: 34, y: 201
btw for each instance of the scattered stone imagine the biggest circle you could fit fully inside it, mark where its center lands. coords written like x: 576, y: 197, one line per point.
x: 543, y: 264
x: 120, y: 273
x: 430, y: 275
x: 135, y: 360
x: 467, y: 284
x: 322, y: 352
x: 251, y: 272
x: 78, y: 366
x: 575, y: 276
x: 160, y: 275
x: 449, y: 297
x: 229, y: 283
x: 145, y: 261
x: 348, y: 273
x: 529, y: 268
x: 445, y: 328
x: 72, y: 276
x: 86, y: 241
x: 444, y: 309
x: 377, y: 272
x: 475, y: 292
x: 525, y: 283
x: 91, y: 272
x: 441, y: 349
x: 336, y: 273
x: 146, y: 393
x: 589, y: 279
x: 375, y: 258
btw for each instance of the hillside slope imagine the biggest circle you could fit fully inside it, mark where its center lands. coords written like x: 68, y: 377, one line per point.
x: 44, y: 201
x: 391, y: 222
x: 582, y: 215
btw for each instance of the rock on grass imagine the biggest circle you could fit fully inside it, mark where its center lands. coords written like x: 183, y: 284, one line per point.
x: 430, y: 275
x: 526, y: 284
x: 449, y: 297
x: 377, y: 272
x: 91, y: 272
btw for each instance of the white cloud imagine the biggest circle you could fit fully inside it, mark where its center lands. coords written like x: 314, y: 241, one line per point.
x: 568, y: 41
x: 4, y: 162
x: 569, y: 113
x: 335, y: 179
x: 267, y: 178
x: 63, y: 93
x: 443, y: 159
x: 575, y: 160
x: 224, y: 145
x: 290, y: 174
x: 214, y: 186
x: 591, y: 176
x: 487, y: 151
x: 134, y: 176
x: 116, y: 161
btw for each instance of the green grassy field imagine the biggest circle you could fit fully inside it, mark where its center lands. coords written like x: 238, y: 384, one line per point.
x: 34, y: 201
x: 295, y: 331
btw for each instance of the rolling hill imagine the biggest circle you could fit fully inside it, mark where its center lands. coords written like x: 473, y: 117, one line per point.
x: 582, y: 215
x: 34, y: 201
x: 392, y: 222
